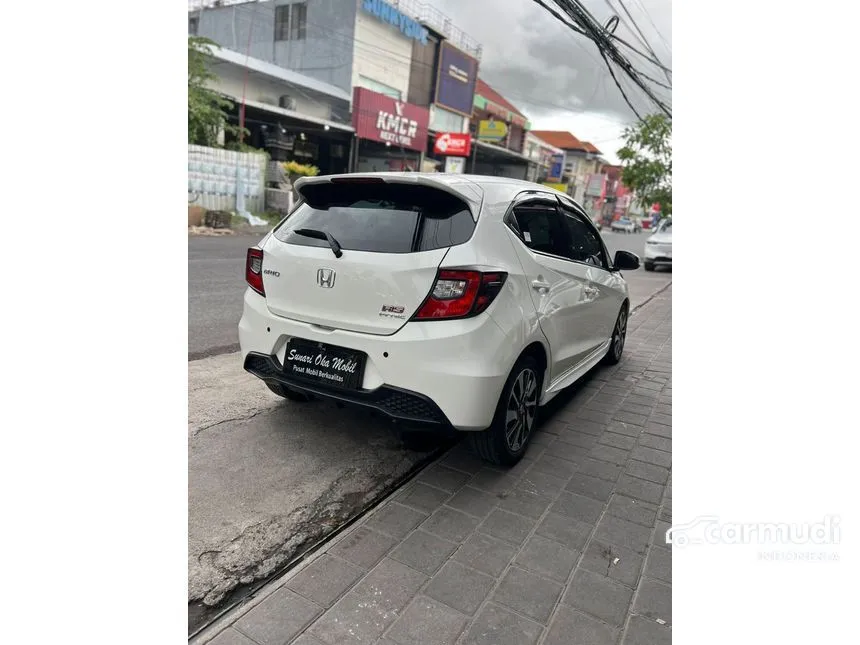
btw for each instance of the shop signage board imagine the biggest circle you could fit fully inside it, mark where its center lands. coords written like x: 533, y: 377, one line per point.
x: 381, y: 118
x: 456, y: 79
x: 556, y: 166
x: 489, y: 130
x: 455, y: 165
x: 384, y: 12
x: 594, y: 186
x: 453, y: 144
x: 560, y: 187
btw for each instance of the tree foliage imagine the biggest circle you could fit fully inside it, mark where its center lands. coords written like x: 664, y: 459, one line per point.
x: 207, y: 111
x: 647, y: 161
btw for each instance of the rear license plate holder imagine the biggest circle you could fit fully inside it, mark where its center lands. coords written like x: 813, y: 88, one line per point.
x: 323, y: 364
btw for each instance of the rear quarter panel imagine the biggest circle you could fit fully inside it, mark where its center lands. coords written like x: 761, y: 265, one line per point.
x: 513, y: 311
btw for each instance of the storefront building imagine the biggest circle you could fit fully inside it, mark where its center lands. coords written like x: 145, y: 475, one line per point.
x: 391, y: 135
x: 581, y: 161
x: 291, y: 116
x: 545, y: 161
x: 499, y: 130
x: 404, y: 50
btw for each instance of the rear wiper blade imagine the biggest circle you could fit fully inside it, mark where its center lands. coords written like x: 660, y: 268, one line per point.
x: 321, y: 235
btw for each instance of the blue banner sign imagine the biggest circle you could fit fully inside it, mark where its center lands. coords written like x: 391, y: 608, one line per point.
x: 556, y: 166
x: 386, y: 13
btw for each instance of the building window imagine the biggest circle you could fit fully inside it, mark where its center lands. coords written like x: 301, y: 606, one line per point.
x: 193, y: 23
x: 442, y: 120
x: 291, y: 21
x: 382, y: 88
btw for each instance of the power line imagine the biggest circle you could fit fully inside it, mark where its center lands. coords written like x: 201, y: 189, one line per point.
x: 585, y: 22
x: 657, y: 31
x: 639, y: 31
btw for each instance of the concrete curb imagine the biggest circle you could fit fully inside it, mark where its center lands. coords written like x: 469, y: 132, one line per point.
x: 650, y: 298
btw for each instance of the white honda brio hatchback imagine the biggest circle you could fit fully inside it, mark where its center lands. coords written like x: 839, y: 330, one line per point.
x: 447, y: 300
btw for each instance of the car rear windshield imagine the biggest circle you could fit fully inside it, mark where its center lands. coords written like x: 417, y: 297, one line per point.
x: 384, y: 218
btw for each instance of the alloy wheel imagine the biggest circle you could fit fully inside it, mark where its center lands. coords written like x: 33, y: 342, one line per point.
x: 521, y: 409
x: 619, y: 334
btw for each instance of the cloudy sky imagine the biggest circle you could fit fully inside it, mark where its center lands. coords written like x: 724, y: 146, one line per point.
x: 555, y: 76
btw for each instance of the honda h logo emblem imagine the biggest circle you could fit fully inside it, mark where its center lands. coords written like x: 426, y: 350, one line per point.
x: 325, y: 278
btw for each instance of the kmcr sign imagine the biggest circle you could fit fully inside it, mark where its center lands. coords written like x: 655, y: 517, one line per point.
x: 453, y: 144
x: 378, y: 117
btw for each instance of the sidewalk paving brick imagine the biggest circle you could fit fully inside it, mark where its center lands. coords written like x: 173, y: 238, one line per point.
x: 496, y: 625
x: 566, y: 548
x: 528, y: 593
x: 279, y: 618
x: 427, y: 622
x: 460, y: 587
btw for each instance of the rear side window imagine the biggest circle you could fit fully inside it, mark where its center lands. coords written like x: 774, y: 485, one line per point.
x: 539, y: 227
x: 382, y: 218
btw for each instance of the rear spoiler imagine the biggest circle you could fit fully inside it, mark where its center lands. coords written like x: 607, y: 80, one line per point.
x: 461, y: 188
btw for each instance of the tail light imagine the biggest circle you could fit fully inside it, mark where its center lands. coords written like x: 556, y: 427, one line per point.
x: 254, y: 270
x: 460, y: 294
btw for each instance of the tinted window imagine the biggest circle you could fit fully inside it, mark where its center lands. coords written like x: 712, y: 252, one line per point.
x: 384, y: 218
x: 539, y: 227
x: 584, y: 244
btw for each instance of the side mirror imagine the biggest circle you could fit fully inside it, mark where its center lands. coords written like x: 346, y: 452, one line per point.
x: 626, y: 261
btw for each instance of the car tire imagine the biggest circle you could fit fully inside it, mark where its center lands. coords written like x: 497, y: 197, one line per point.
x: 649, y: 266
x: 619, y: 336
x: 291, y: 395
x: 496, y: 444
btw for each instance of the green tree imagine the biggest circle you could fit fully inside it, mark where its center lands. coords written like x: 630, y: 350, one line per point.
x: 207, y: 110
x: 647, y: 161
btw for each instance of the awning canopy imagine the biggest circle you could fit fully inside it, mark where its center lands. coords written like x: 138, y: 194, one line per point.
x: 292, y: 114
x: 501, y: 153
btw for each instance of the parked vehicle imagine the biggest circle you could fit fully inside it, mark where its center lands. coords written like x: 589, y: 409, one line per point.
x: 658, y: 247
x: 624, y: 224
x: 446, y: 301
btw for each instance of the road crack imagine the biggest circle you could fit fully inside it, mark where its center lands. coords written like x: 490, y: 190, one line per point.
x: 197, y: 431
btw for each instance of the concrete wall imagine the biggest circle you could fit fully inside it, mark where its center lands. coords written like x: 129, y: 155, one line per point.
x: 381, y: 53
x: 260, y: 89
x: 325, y: 54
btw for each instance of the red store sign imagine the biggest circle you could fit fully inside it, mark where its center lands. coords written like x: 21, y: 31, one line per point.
x: 381, y: 118
x: 453, y: 144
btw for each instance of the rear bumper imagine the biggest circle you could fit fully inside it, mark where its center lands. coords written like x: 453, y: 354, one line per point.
x: 436, y: 372
x: 393, y: 402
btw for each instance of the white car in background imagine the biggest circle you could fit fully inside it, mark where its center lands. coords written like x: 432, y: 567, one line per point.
x: 623, y: 224
x: 658, y: 247
x: 442, y: 300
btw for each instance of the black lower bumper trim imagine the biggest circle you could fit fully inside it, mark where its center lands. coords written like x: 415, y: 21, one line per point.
x: 394, y: 402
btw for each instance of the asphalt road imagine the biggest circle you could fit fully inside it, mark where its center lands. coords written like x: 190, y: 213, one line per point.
x: 216, y: 282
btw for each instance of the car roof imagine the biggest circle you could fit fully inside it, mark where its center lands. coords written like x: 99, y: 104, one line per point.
x: 476, y: 190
